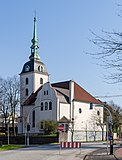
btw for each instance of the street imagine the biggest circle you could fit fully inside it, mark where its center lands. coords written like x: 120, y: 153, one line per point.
x: 50, y: 152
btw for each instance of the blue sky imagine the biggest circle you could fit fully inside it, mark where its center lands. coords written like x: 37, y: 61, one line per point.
x: 63, y: 28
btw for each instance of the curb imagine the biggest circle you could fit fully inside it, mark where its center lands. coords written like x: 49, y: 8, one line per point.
x: 88, y: 156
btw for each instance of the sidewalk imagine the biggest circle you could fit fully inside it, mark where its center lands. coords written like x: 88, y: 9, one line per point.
x: 102, y: 155
x: 118, y: 153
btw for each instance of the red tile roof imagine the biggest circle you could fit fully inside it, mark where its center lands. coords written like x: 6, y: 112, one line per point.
x: 31, y: 99
x: 64, y: 84
x: 81, y: 95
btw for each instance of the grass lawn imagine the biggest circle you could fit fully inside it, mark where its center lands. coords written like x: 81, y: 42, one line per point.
x: 8, y: 147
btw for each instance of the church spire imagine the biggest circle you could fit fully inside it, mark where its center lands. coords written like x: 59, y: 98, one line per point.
x: 34, y: 46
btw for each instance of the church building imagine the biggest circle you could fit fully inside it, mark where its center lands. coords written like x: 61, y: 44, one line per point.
x: 65, y: 102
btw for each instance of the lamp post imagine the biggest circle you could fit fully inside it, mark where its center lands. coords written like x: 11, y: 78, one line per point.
x: 8, y: 134
x: 28, y: 124
x: 110, y: 122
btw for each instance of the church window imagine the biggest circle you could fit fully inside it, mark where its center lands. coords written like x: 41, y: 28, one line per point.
x: 50, y: 105
x: 41, y: 80
x: 46, y: 92
x: 46, y: 106
x: 33, y: 118
x: 38, y: 68
x: 98, y: 113
x: 26, y: 81
x: 26, y: 92
x: 80, y: 110
x: 42, y: 69
x: 41, y: 106
x: 91, y: 105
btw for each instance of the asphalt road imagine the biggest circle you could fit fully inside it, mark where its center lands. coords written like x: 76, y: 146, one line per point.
x: 50, y: 152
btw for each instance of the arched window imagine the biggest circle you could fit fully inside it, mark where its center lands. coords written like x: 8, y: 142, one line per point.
x: 33, y: 119
x: 26, y: 81
x: 50, y: 105
x: 38, y: 68
x: 41, y: 106
x: 26, y: 91
x: 42, y: 69
x: 46, y: 106
x: 41, y: 80
x: 98, y: 113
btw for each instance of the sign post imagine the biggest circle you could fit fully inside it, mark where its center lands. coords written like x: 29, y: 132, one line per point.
x: 60, y: 129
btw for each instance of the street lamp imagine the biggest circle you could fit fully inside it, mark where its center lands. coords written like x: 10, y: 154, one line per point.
x: 110, y: 122
x: 28, y: 124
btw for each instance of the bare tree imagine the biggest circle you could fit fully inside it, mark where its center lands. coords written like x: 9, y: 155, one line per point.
x: 98, y: 120
x: 116, y: 112
x: 9, y: 99
x: 109, y: 54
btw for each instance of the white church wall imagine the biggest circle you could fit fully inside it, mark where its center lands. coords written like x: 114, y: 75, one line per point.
x: 46, y: 94
x: 23, y: 85
x: 26, y: 114
x: 86, y: 118
x: 64, y: 110
x: 85, y: 127
x: 37, y: 77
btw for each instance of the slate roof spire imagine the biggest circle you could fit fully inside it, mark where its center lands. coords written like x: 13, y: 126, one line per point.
x: 34, y: 46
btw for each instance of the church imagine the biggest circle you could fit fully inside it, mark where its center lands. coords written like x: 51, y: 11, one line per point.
x: 65, y: 102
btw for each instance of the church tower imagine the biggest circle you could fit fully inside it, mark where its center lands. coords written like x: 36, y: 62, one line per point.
x: 34, y: 73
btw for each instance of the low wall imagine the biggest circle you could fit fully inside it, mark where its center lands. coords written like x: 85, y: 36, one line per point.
x: 33, y: 139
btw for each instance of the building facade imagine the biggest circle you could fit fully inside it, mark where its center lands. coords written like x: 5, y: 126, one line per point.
x: 64, y: 102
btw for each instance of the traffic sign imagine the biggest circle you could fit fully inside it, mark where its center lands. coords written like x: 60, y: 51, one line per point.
x: 60, y: 128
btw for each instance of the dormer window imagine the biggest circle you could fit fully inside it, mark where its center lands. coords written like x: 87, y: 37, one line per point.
x: 27, y: 68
